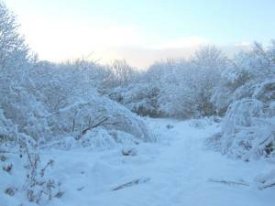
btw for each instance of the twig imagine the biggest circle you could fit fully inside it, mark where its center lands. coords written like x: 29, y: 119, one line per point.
x: 229, y: 182
x: 131, y: 183
x: 91, y: 127
x: 267, y: 186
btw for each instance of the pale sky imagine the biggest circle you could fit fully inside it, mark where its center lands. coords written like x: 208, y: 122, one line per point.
x: 140, y: 31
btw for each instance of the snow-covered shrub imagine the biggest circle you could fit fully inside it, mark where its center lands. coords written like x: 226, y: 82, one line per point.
x: 101, y: 139
x: 81, y: 117
x: 248, y: 130
x: 242, y: 113
x: 139, y: 98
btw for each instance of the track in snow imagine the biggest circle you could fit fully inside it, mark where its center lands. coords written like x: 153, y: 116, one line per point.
x: 177, y: 170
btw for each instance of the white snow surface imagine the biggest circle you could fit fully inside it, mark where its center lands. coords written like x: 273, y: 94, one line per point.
x: 177, y: 169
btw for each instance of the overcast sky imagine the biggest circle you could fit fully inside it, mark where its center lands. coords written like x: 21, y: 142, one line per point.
x: 140, y: 31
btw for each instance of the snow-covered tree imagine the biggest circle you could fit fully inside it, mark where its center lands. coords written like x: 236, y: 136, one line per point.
x: 14, y: 53
x: 120, y: 74
x: 244, y: 70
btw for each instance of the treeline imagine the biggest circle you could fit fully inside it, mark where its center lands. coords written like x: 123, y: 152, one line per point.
x: 240, y: 90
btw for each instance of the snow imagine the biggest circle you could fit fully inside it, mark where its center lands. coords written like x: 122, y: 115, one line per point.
x: 64, y: 141
x: 177, y: 169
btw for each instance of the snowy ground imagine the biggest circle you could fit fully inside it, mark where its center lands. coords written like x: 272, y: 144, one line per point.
x: 176, y: 170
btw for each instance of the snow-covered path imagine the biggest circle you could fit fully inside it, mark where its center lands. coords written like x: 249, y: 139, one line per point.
x: 176, y: 170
